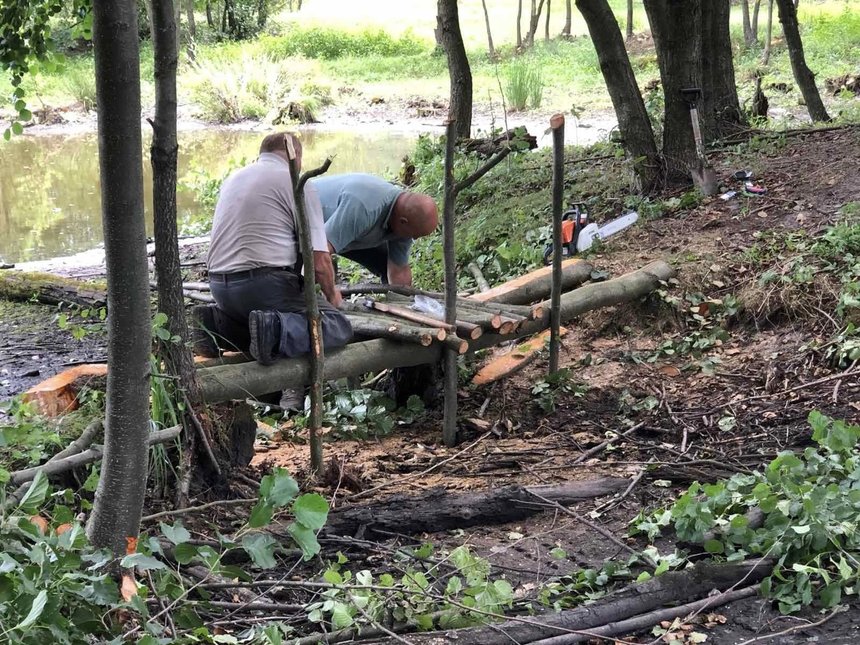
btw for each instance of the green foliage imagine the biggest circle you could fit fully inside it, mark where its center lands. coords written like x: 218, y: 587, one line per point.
x: 810, y: 504
x: 26, y: 439
x: 330, y: 43
x: 80, y: 82
x: 523, y: 84
x: 550, y: 388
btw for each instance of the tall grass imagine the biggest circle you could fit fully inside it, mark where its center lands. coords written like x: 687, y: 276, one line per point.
x: 523, y: 84
x: 80, y: 83
x: 330, y: 43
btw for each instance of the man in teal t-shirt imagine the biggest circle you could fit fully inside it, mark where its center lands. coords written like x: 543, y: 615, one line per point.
x: 373, y: 222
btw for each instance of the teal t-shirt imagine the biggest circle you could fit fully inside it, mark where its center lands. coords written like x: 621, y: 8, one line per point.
x: 356, y: 208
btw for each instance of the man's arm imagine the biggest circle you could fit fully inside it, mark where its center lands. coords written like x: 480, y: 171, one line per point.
x: 400, y: 274
x: 324, y: 272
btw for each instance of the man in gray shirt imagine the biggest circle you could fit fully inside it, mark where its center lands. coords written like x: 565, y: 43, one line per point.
x: 373, y: 222
x: 253, y: 257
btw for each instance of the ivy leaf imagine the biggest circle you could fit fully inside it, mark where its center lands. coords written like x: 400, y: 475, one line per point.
x: 261, y: 548
x: 36, y: 610
x: 311, y: 511
x: 305, y: 538
x: 177, y: 533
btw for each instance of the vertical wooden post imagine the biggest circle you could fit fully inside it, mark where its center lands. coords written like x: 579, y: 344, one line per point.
x: 449, y: 424
x: 314, y: 316
x: 556, y: 123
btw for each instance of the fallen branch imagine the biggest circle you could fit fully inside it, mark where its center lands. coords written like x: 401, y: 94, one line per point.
x: 480, y: 280
x: 795, y: 629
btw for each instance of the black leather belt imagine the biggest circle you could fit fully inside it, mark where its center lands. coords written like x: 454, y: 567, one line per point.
x: 249, y: 273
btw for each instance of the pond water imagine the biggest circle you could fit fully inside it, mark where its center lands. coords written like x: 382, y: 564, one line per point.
x: 49, y: 184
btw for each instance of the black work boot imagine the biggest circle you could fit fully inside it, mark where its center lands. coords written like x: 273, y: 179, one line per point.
x: 203, y: 331
x: 265, y: 328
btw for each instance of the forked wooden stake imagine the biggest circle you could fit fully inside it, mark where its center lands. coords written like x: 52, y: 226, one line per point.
x: 556, y: 123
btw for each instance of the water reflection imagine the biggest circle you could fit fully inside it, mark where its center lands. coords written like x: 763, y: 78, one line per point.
x: 49, y: 185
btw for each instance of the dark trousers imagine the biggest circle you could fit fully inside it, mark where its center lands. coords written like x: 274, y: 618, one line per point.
x: 374, y: 260
x: 279, y: 290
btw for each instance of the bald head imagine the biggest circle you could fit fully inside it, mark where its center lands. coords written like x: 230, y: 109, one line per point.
x: 414, y: 215
x: 278, y: 142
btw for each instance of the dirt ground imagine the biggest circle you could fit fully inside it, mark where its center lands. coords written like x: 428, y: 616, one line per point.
x: 765, y: 379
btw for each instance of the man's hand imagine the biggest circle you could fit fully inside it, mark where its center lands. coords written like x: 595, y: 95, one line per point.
x: 401, y: 275
x: 324, y: 273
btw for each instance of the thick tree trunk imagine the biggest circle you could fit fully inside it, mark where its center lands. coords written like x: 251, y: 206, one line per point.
x: 568, y: 18
x: 225, y: 382
x: 629, y: 25
x: 119, y: 496
x: 677, y: 33
x: 519, y: 24
x: 765, y: 57
x: 721, y: 110
x: 802, y: 74
x: 491, y: 50
x: 440, y: 510
x: 448, y: 25
x: 623, y: 89
x: 51, y: 289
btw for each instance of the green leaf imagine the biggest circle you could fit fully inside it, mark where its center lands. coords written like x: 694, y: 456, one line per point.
x: 142, y: 561
x: 261, y: 515
x: 177, y: 533
x: 36, y: 610
x: 713, y: 546
x: 35, y: 495
x: 7, y: 134
x: 17, y: 128
x: 558, y: 553
x: 831, y: 594
x: 25, y: 115
x: 279, y: 488
x: 643, y: 577
x: 261, y: 548
x: 305, y: 538
x: 311, y: 511
x: 185, y: 553
x: 340, y: 616
x: 801, y: 529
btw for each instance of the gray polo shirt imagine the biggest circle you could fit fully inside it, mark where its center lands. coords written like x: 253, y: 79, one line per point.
x: 356, y: 209
x: 254, y: 223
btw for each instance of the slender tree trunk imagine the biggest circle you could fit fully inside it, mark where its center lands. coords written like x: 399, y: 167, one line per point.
x: 448, y: 21
x: 629, y: 25
x: 189, y: 18
x: 678, y: 39
x: 262, y: 13
x: 490, y: 49
x: 534, y: 21
x: 119, y: 496
x: 519, y: 24
x: 567, y: 18
x: 754, y: 25
x: 546, y: 24
x: 745, y: 12
x: 621, y: 83
x: 209, y: 20
x: 802, y: 74
x: 721, y: 110
x: 765, y: 56
x: 449, y: 356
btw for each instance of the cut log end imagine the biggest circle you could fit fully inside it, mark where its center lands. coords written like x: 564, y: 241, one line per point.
x: 507, y: 327
x: 556, y: 121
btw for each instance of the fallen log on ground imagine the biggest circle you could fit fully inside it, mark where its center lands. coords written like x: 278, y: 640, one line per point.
x: 537, y: 285
x: 51, y: 289
x: 221, y: 383
x: 440, y: 510
x: 674, y: 588
x: 508, y: 364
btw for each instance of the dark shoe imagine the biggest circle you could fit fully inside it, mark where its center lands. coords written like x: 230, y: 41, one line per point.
x: 265, y: 328
x: 203, y: 331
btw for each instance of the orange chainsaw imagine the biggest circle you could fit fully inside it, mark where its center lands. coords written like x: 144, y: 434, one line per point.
x: 578, y: 235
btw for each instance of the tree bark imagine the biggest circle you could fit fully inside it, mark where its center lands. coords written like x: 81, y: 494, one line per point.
x: 629, y: 25
x: 189, y: 13
x: 546, y: 24
x: 448, y: 25
x: 225, y: 382
x: 765, y: 57
x: 720, y: 105
x: 754, y: 25
x: 449, y: 423
x: 534, y: 21
x: 440, y: 510
x: 209, y: 20
x: 568, y: 17
x: 747, y: 25
x: 633, y: 121
x: 557, y: 127
x: 802, y: 74
x: 519, y: 24
x: 491, y: 50
x: 119, y: 496
x: 677, y: 33
x: 537, y: 284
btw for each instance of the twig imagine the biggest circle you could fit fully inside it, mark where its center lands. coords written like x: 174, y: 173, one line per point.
x: 614, y: 502
x: 376, y: 624
x: 480, y: 280
x: 792, y: 630
x: 161, y: 604
x: 201, y: 432
x: 603, y: 446
x: 194, y: 509
x: 427, y: 471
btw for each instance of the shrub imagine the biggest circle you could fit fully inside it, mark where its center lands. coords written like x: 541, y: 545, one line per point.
x: 227, y: 92
x: 80, y: 82
x: 329, y: 43
x: 523, y: 84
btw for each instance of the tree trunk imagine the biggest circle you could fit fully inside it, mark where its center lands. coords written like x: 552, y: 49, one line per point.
x: 51, y: 290
x: 490, y: 49
x: 119, y: 496
x: 209, y: 20
x: 623, y: 89
x: 537, y: 285
x: 534, y: 21
x: 440, y: 510
x: 546, y: 24
x: 189, y: 18
x: 519, y: 24
x: 721, y: 110
x: 754, y: 25
x: 262, y: 13
x: 802, y: 74
x: 677, y: 36
x: 567, y: 18
x: 629, y: 25
x: 745, y: 12
x: 448, y: 21
x: 765, y: 56
x: 449, y: 356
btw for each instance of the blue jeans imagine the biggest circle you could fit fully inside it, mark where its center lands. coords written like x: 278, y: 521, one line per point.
x: 280, y: 290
